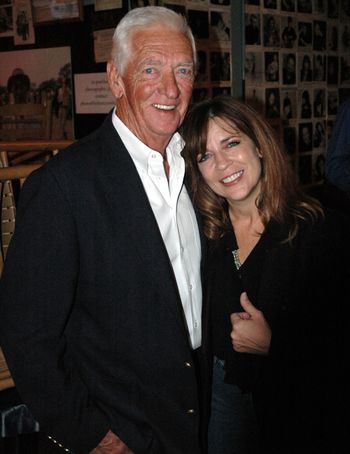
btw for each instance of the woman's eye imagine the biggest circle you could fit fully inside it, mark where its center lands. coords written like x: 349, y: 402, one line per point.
x: 233, y: 143
x: 149, y: 70
x: 202, y: 157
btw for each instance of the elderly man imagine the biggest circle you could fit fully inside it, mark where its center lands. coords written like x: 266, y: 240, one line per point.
x: 101, y: 293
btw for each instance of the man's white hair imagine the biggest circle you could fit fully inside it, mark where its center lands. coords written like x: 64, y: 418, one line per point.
x: 145, y: 17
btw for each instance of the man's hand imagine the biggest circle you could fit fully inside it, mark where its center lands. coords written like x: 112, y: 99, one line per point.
x: 250, y: 331
x: 111, y: 444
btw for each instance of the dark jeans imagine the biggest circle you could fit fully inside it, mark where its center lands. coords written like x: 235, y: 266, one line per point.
x: 232, y: 427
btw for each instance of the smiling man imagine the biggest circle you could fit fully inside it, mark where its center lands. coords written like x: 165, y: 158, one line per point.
x: 108, y: 286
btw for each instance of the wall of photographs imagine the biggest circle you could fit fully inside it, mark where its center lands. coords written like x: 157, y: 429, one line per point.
x: 297, y: 72
x: 210, y: 21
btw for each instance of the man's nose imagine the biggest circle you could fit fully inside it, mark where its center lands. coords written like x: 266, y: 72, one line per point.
x: 170, y: 85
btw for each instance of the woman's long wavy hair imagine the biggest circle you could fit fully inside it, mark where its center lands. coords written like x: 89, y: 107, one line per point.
x: 281, y: 197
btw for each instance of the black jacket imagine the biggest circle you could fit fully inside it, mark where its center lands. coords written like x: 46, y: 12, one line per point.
x: 303, y: 291
x: 91, y: 320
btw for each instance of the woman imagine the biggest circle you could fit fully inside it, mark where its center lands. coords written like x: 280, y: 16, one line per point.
x: 306, y: 71
x: 274, y: 281
x: 305, y: 105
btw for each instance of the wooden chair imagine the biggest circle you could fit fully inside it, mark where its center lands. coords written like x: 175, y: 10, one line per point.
x: 10, y: 175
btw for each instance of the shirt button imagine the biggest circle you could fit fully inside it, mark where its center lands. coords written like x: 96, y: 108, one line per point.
x: 190, y: 411
x: 190, y: 286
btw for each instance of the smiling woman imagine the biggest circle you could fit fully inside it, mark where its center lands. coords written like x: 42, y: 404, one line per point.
x: 265, y: 268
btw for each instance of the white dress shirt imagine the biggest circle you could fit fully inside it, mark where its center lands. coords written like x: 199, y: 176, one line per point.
x: 175, y: 216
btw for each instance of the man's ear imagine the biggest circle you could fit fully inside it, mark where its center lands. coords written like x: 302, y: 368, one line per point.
x: 114, y: 80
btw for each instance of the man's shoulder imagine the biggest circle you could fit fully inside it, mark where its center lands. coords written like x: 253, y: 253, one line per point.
x: 90, y: 148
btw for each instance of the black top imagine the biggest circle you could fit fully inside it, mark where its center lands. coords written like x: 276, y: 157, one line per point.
x: 298, y: 388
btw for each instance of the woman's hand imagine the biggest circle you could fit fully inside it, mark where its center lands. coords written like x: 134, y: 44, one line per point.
x: 250, y: 331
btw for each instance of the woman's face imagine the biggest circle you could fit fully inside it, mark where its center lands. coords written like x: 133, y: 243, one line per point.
x: 249, y: 63
x: 272, y: 98
x: 231, y: 165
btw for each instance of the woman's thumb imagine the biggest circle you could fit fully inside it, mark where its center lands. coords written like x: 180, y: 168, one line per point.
x: 246, y: 304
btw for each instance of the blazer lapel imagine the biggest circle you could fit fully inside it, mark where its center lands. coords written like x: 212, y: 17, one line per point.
x: 130, y: 205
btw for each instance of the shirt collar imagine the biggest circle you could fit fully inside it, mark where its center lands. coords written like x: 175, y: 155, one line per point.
x: 141, y: 153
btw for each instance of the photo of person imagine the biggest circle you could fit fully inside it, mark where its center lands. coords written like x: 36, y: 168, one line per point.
x: 289, y: 138
x: 272, y: 103
x: 332, y: 37
x: 288, y: 103
x: 288, y: 5
x: 332, y: 102
x: 255, y: 97
x: 199, y: 23
x: 253, y: 68
x: 344, y: 37
x: 319, y: 139
x: 305, y: 137
x: 319, y: 35
x: 333, y: 9
x: 305, y: 104
x: 22, y: 25
x: 220, y: 66
x: 345, y: 69
x: 344, y: 8
x: 252, y: 29
x: 332, y: 70
x: 271, y: 66
x: 305, y: 169
x: 318, y: 166
x: 270, y: 4
x: 304, y: 34
x: 220, y: 25
x: 304, y: 6
x: 319, y: 70
x: 289, y: 69
x: 271, y: 30
x: 6, y: 22
x: 319, y: 103
x: 289, y: 35
x: 320, y: 7
x: 305, y: 65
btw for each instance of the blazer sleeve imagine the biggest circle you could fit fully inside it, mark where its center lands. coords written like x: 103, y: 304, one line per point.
x: 37, y: 293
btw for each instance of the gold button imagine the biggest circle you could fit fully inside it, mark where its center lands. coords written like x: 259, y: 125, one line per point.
x: 187, y: 364
x: 190, y: 411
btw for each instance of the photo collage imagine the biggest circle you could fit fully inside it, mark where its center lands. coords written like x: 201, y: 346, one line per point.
x: 210, y: 21
x: 297, y: 72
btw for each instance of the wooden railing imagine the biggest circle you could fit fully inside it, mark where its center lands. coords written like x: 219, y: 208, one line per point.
x: 20, y: 151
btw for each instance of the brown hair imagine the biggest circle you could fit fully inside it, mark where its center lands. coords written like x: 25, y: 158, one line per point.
x: 281, y: 197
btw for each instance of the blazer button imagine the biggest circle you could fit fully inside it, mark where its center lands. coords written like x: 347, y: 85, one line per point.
x: 187, y: 364
x: 190, y: 411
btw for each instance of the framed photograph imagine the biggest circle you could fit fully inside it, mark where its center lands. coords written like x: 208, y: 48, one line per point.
x: 46, y: 11
x: 38, y: 76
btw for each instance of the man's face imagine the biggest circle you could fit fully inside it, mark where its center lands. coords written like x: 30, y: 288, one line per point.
x: 154, y: 92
